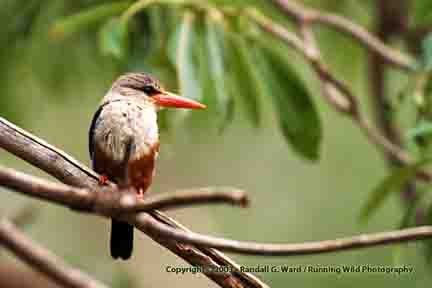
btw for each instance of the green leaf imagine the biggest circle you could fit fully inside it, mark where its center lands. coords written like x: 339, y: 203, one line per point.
x: 423, y: 129
x: 422, y: 14
x: 297, y: 115
x: 173, y: 42
x: 213, y: 64
x: 75, y: 23
x: 427, y: 52
x: 229, y: 116
x: 392, y: 183
x: 113, y: 38
x: 243, y: 76
x: 158, y: 27
x: 200, y: 59
x: 408, y: 218
x: 187, y: 68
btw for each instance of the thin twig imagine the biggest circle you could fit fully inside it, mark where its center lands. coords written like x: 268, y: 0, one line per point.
x: 391, y: 20
x: 189, y: 197
x: 328, y: 80
x: 108, y: 200
x: 389, y: 55
x: 43, y: 260
x: 146, y: 223
x: 334, y: 90
x: 337, y: 93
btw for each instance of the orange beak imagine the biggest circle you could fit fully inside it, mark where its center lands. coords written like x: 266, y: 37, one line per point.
x: 167, y: 99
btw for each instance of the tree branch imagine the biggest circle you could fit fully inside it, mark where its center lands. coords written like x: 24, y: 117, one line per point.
x: 43, y: 260
x: 197, y: 196
x: 272, y: 249
x: 163, y: 232
x: 337, y: 93
x: 108, y: 200
x: 193, y: 247
x: 166, y: 235
x: 302, y: 14
x: 65, y: 168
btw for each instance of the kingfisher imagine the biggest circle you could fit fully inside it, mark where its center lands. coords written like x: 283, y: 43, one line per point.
x: 124, y: 141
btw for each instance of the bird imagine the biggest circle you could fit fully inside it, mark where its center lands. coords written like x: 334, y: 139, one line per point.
x: 124, y: 141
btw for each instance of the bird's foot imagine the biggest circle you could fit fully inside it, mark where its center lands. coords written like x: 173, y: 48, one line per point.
x: 140, y: 193
x: 103, y: 180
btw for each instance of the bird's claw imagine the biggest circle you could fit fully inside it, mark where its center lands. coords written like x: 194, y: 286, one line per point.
x: 103, y: 180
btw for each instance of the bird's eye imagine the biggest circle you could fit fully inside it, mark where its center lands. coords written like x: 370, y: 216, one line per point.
x: 149, y: 90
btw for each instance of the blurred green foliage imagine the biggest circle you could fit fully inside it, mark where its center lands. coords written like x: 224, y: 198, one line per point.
x: 393, y: 183
x: 209, y: 51
x: 198, y: 48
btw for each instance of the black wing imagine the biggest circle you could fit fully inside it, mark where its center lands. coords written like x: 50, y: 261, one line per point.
x: 92, y: 130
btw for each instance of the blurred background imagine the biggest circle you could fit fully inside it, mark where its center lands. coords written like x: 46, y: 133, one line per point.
x: 308, y: 169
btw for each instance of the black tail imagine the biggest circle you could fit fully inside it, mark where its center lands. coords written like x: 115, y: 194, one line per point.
x: 121, y: 240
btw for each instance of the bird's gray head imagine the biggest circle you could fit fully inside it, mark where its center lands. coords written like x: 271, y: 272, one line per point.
x: 139, y: 83
x: 147, y: 89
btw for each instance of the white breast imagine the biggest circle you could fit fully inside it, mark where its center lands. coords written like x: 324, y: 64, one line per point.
x: 124, y: 122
